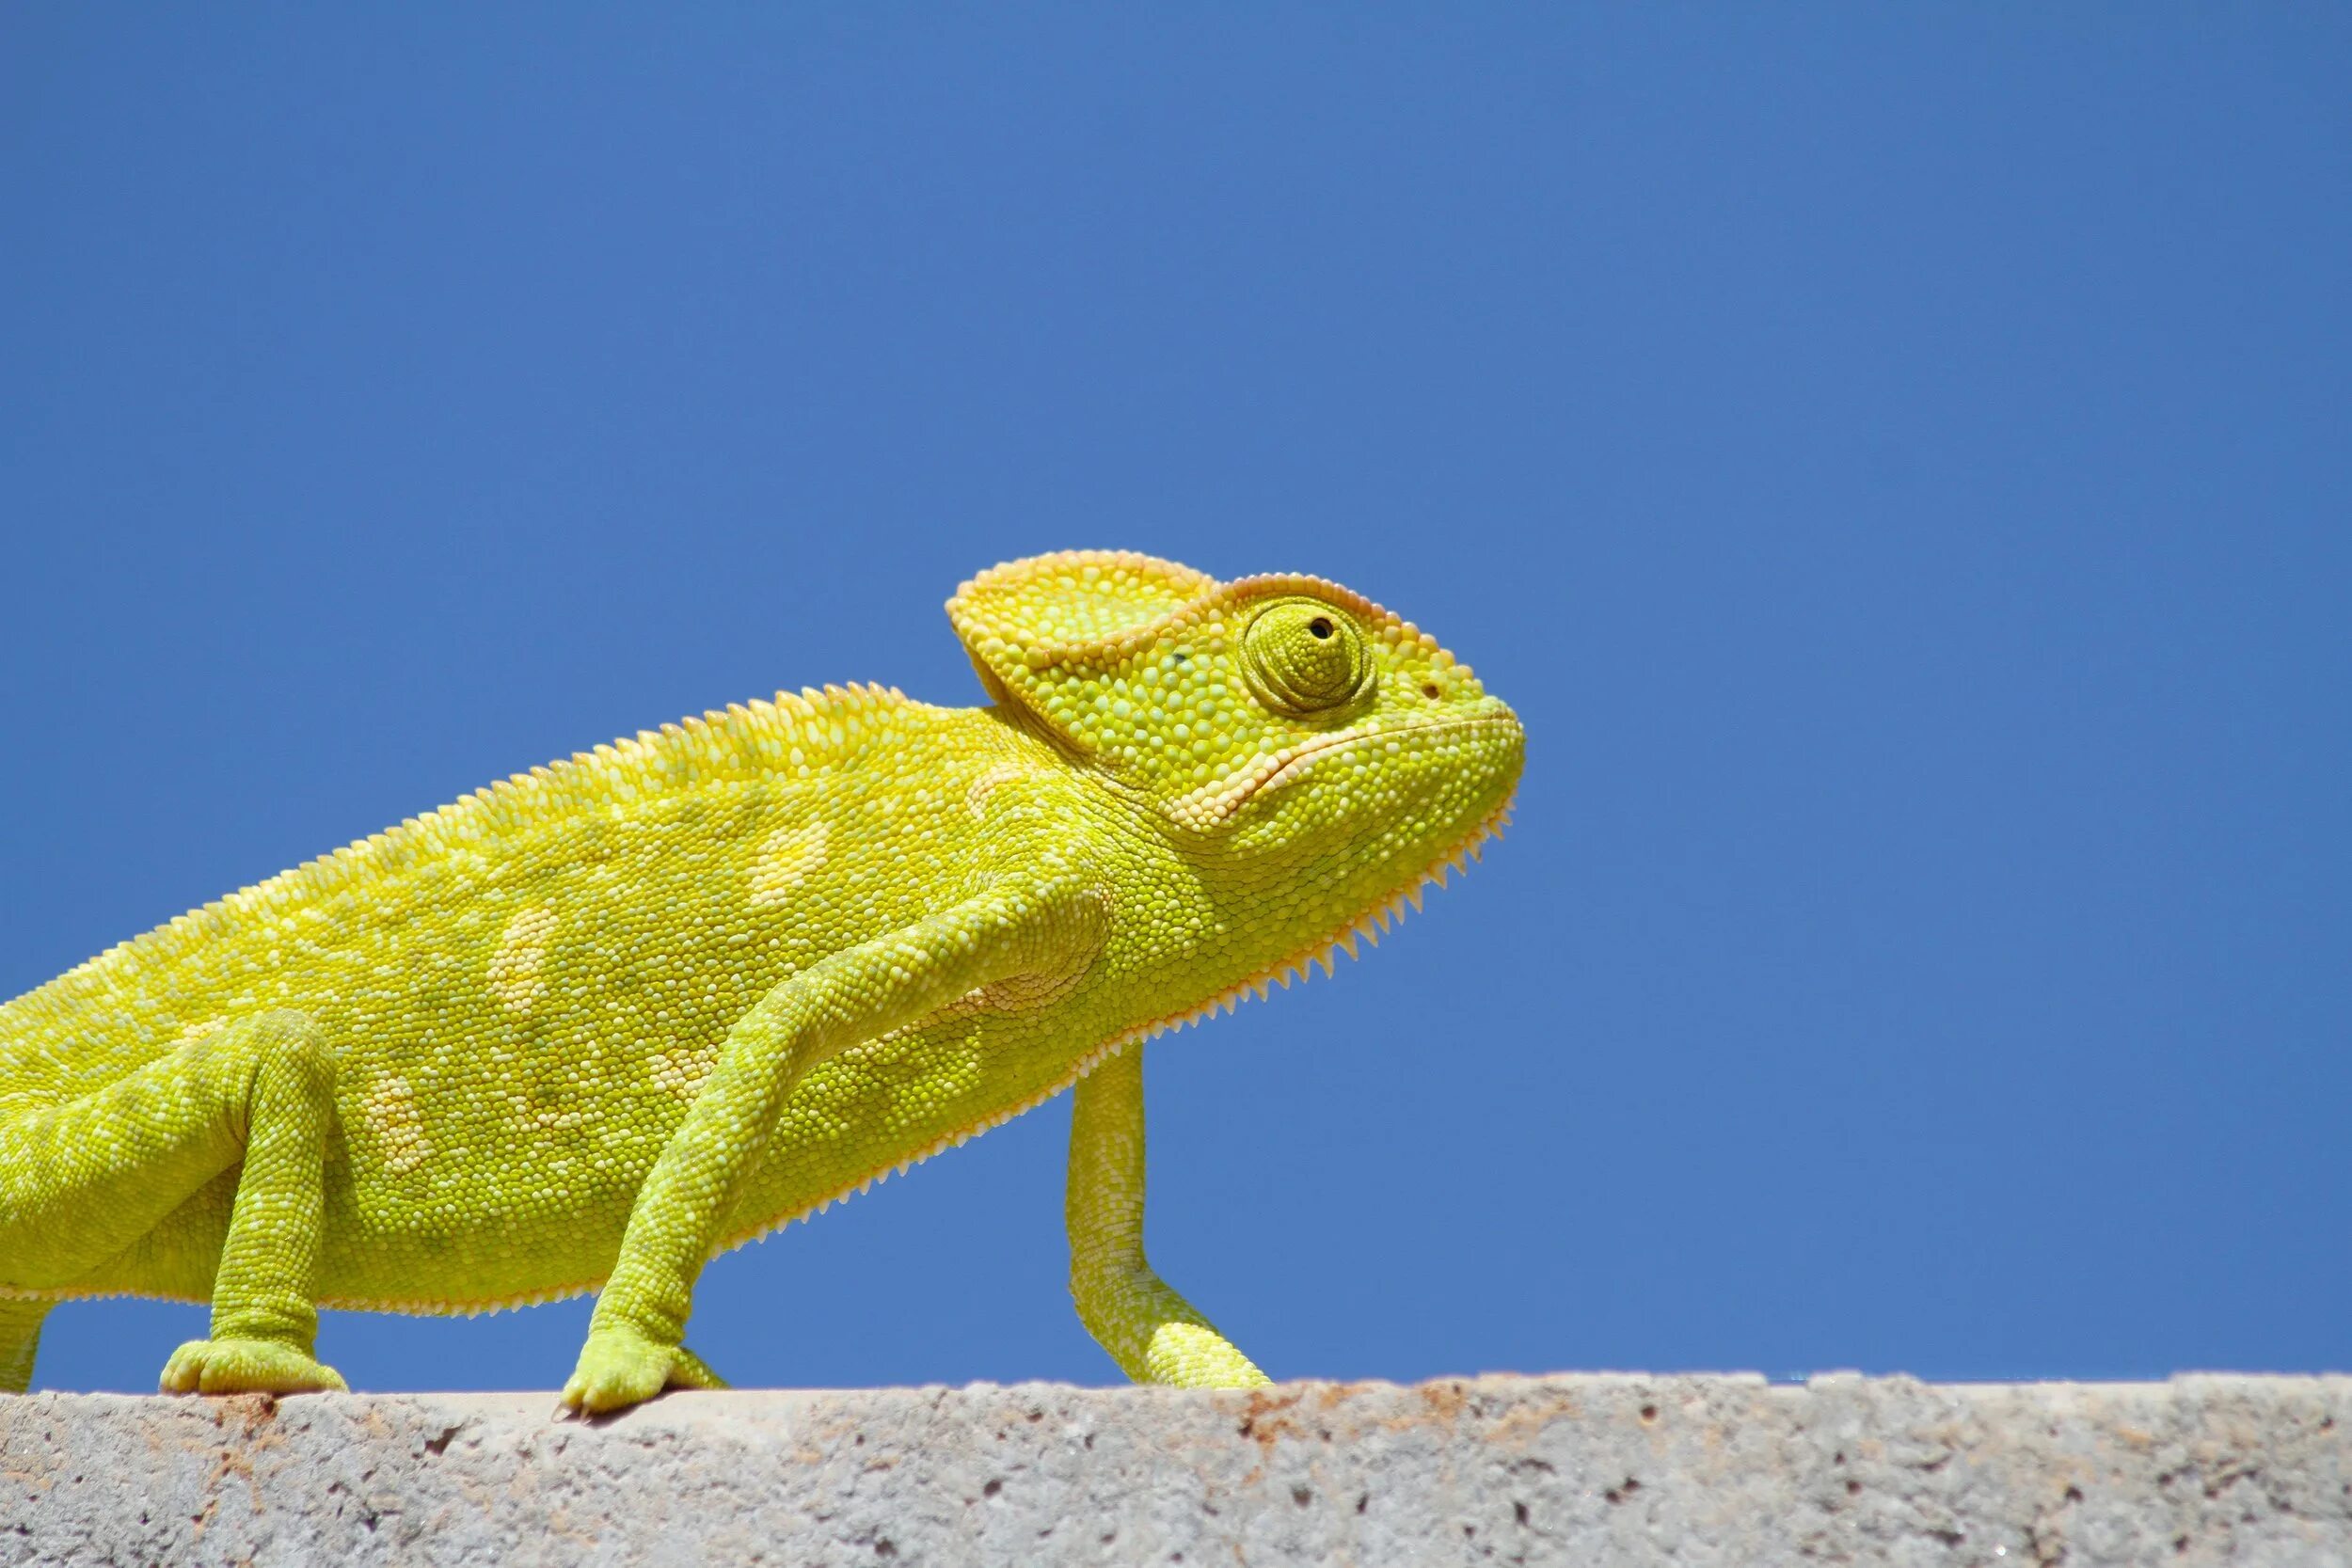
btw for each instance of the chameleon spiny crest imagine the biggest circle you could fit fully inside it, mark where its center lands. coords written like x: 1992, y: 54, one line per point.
x: 588, y: 1028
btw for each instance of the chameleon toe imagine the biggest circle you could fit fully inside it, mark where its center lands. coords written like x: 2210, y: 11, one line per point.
x: 688, y: 1370
x: 246, y: 1367
x: 618, y: 1368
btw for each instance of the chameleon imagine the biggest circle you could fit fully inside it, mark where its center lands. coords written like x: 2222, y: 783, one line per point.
x: 586, y: 1028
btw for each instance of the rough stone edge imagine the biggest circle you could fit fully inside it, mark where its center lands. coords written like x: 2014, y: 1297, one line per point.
x: 1598, y: 1468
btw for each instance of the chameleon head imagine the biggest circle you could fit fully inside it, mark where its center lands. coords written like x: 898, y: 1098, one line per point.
x: 1336, y: 750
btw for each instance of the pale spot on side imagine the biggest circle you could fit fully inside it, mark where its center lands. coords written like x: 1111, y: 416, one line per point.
x: 390, y: 1114
x: 681, y: 1068
x: 197, y: 1031
x: 788, y: 858
x: 522, y: 952
x: 989, y: 782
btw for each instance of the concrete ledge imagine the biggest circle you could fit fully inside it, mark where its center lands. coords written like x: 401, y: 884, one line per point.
x: 1586, y: 1471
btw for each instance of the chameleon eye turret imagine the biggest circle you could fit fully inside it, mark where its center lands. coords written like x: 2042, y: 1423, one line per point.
x: 585, y: 1028
x: 1301, y: 657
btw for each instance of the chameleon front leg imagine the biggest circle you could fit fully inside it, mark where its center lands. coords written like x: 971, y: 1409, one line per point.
x: 634, y: 1348
x: 82, y: 1182
x: 1154, y: 1335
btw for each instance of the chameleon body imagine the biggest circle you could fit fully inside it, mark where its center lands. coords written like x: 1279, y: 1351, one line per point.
x: 585, y: 1028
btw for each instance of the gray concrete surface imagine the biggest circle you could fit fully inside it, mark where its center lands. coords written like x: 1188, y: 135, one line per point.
x: 1574, y: 1469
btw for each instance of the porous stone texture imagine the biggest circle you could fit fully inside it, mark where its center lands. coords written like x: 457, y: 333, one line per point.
x: 1586, y: 1471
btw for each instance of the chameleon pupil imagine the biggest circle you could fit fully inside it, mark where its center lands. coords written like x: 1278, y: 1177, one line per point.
x: 1320, y: 626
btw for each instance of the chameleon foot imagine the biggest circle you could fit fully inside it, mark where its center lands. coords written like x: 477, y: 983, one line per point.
x: 619, y: 1367
x: 1194, y: 1356
x: 246, y: 1367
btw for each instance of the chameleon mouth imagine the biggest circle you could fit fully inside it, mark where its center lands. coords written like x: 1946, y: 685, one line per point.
x: 1213, y: 803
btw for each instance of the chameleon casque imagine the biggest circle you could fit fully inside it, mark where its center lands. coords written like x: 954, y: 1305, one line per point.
x: 586, y: 1028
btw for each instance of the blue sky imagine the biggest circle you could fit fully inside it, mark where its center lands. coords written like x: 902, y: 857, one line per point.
x: 1896, y: 461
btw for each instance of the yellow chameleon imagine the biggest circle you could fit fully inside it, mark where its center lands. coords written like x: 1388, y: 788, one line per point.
x: 588, y: 1027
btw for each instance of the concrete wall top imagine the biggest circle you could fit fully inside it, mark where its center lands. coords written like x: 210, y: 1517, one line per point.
x: 1569, y: 1469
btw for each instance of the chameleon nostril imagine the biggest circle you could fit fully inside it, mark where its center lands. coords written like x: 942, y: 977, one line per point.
x: 1429, y: 690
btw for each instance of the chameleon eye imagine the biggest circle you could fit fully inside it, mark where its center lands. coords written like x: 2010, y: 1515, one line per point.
x: 1299, y: 658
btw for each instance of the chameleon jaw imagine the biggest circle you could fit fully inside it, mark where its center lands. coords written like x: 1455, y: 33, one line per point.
x: 1215, y: 803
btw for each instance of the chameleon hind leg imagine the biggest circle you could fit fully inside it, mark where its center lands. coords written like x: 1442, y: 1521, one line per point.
x: 20, y: 1336
x: 83, y: 1181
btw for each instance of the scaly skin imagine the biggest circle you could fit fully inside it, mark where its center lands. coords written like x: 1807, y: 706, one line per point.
x: 591, y: 1025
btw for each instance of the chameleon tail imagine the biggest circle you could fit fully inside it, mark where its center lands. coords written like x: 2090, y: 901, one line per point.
x: 20, y: 1336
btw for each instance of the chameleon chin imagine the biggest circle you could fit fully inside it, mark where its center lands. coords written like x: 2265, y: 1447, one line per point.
x: 586, y: 1028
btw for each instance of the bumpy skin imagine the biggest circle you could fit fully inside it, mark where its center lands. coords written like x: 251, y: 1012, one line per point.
x: 591, y: 1025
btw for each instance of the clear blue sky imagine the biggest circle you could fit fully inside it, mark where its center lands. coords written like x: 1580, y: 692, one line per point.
x: 1897, y: 460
